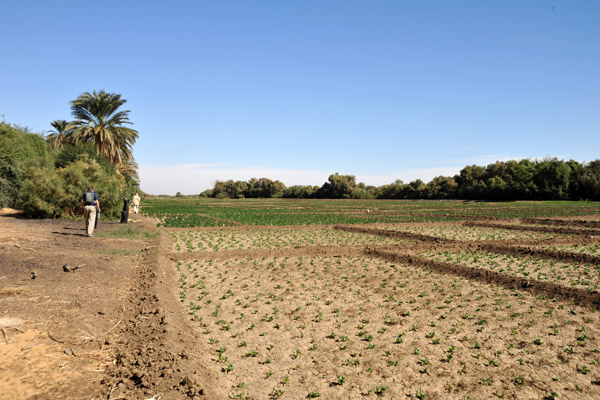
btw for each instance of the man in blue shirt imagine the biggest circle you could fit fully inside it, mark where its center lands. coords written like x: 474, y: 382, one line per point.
x: 89, y: 204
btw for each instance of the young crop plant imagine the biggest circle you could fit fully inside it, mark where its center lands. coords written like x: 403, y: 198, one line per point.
x: 340, y: 380
x: 366, y: 296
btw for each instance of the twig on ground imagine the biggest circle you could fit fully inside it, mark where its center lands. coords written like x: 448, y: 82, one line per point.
x: 122, y: 314
x: 5, y: 335
x: 12, y: 327
x: 29, y: 346
x: 53, y: 338
x: 105, y: 333
x: 24, y: 248
x: 112, y: 390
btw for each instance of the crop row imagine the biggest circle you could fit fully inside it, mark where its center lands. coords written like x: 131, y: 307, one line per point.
x: 347, y: 327
x: 591, y: 249
x: 183, y: 212
x: 585, y: 276
x: 272, y: 239
x: 470, y: 233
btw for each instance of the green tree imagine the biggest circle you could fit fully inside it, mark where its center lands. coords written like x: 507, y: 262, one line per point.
x: 338, y: 187
x: 300, y: 192
x: 98, y: 120
x: 61, y: 135
x: 19, y: 149
x: 552, y: 179
x: 471, y: 182
x: 441, y: 187
x: 391, y: 191
x: 590, y: 181
x: 519, y: 180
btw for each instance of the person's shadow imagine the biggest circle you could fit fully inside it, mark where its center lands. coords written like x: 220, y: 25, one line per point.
x: 71, y: 234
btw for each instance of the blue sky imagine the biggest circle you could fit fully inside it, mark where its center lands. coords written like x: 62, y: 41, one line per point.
x: 297, y: 90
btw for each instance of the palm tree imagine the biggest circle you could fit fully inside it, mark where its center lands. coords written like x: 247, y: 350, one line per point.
x: 129, y: 170
x: 61, y: 135
x: 99, y: 121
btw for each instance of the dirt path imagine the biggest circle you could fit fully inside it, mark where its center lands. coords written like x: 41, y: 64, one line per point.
x: 153, y: 357
x: 63, y: 334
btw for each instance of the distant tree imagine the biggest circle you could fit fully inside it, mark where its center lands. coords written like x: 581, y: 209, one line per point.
x: 471, y: 182
x: 361, y: 191
x: 299, y: 192
x: 272, y: 188
x: 519, y: 180
x: 338, y: 187
x: 391, y: 191
x: 441, y: 187
x: 552, y: 179
x: 591, y: 181
x: 237, y: 190
x: 98, y: 120
x: 576, y: 180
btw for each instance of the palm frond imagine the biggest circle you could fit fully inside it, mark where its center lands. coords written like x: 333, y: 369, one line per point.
x: 98, y: 120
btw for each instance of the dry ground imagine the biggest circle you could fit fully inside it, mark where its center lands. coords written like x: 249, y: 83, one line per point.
x: 92, y: 333
x: 356, y: 317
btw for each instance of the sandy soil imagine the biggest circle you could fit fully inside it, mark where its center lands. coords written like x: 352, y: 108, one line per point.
x: 62, y: 333
x: 290, y: 313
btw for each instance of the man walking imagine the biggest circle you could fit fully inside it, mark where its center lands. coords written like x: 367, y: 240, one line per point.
x: 136, y: 202
x: 89, y: 204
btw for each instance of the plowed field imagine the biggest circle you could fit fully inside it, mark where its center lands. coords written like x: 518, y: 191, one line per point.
x: 351, y: 299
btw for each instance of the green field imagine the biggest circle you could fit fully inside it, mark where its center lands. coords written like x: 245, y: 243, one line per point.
x: 199, y: 212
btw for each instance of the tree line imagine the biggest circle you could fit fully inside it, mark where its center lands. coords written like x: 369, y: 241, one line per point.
x: 546, y: 179
x: 44, y: 175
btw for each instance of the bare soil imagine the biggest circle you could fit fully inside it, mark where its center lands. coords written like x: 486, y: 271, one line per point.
x: 359, y: 318
x: 94, y: 332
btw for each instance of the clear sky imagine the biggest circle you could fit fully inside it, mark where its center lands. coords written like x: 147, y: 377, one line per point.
x: 297, y: 90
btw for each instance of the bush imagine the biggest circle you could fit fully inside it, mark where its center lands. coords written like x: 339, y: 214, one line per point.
x: 57, y: 193
x: 20, y: 149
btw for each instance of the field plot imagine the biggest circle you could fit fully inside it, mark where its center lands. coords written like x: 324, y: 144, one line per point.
x: 469, y: 233
x: 591, y: 249
x: 572, y: 274
x: 190, y: 212
x: 219, y: 240
x: 343, y: 327
x: 367, y: 301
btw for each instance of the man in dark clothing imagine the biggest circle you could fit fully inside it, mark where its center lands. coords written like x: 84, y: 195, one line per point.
x: 89, y: 205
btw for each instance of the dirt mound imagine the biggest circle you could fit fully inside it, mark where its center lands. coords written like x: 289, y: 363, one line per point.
x: 541, y: 253
x: 578, y: 296
x: 151, y: 357
x: 549, y: 229
x: 562, y: 222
